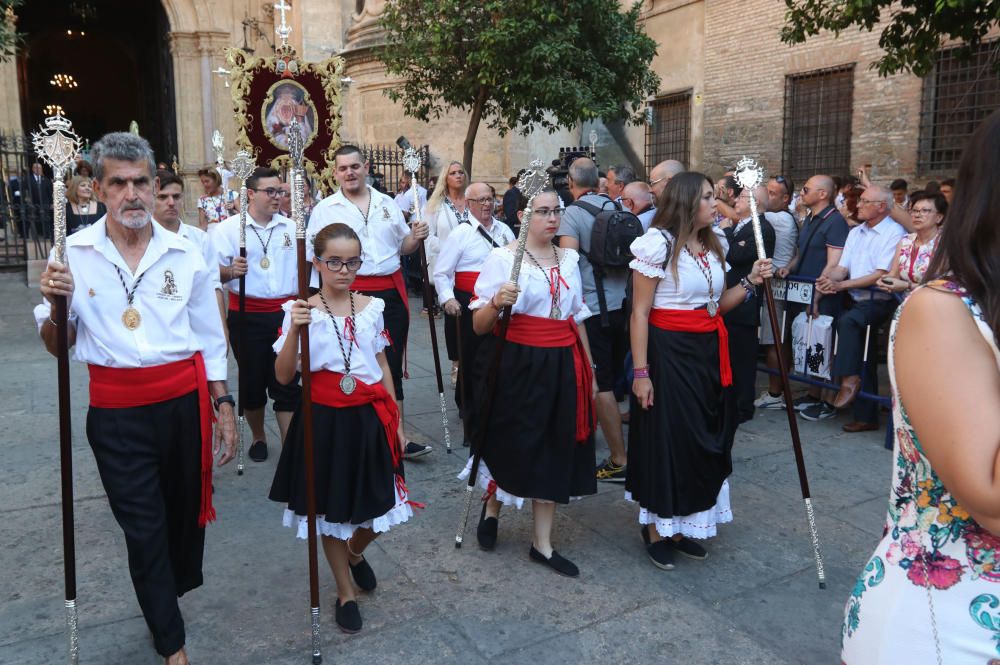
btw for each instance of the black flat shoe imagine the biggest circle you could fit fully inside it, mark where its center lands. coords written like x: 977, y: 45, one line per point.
x: 690, y: 549
x: 348, y: 616
x: 486, y: 532
x: 257, y: 451
x: 661, y: 553
x: 556, y: 562
x: 363, y: 575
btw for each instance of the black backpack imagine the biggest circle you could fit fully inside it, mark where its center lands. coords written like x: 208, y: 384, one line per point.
x: 611, y: 237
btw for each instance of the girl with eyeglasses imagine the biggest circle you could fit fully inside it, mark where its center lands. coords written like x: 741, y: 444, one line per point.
x: 358, y: 455
x: 539, y: 442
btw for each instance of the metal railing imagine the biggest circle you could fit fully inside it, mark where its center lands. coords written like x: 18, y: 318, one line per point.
x: 25, y: 207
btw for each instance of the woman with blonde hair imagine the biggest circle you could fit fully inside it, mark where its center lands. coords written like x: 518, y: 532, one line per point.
x: 446, y: 208
x: 81, y: 209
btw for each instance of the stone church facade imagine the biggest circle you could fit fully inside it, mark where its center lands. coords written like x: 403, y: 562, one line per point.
x: 728, y: 88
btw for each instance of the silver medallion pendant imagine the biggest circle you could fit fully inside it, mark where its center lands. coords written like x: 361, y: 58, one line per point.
x: 265, y: 263
x: 348, y: 384
x: 555, y: 312
x: 712, y: 307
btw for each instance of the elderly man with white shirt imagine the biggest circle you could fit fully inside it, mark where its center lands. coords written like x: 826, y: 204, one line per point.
x: 461, y: 255
x: 143, y: 316
x: 868, y: 255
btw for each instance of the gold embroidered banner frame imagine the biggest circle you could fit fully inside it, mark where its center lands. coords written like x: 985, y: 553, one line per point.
x: 269, y: 92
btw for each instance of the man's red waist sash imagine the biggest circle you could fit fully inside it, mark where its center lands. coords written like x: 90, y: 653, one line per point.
x: 122, y: 388
x: 257, y: 305
x: 552, y: 333
x: 697, y: 321
x: 466, y: 281
x: 383, y: 283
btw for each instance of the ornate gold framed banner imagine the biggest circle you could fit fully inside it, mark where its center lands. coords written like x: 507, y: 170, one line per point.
x: 269, y: 92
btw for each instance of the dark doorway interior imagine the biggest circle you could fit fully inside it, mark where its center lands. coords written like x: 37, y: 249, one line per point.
x: 116, y: 51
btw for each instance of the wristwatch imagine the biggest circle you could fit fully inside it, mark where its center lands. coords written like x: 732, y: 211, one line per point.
x: 224, y: 399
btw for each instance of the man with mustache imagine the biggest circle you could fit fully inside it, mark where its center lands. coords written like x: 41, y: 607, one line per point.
x: 385, y: 236
x: 271, y: 275
x: 143, y: 316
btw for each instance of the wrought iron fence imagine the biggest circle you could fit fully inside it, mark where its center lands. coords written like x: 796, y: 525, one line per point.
x: 25, y: 205
x: 385, y: 166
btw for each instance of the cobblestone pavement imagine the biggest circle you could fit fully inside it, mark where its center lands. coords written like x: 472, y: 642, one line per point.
x: 754, y: 600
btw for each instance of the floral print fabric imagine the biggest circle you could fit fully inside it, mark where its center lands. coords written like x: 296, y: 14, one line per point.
x: 913, y: 259
x: 935, y: 566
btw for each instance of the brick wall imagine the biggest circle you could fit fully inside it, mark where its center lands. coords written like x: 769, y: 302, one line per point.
x: 745, y: 64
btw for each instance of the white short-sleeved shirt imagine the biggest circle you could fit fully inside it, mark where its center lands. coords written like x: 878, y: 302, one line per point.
x: 870, y: 248
x: 176, y: 300
x: 381, y: 237
x: 324, y: 351
x: 786, y: 237
x: 690, y: 289
x: 465, y: 250
x: 404, y: 200
x: 535, y: 298
x: 201, y: 241
x: 281, y: 276
x: 440, y: 224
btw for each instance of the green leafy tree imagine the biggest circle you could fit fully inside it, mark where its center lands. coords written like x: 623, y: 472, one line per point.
x: 9, y: 37
x: 912, y: 30
x: 515, y: 65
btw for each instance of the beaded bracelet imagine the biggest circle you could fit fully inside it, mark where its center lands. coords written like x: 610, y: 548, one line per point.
x: 640, y: 372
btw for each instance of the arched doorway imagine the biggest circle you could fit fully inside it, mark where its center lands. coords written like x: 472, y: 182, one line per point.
x: 116, y: 52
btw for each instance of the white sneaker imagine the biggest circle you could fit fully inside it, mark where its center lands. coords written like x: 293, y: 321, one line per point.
x: 766, y: 401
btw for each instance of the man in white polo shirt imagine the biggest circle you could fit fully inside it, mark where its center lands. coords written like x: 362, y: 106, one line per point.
x: 868, y: 255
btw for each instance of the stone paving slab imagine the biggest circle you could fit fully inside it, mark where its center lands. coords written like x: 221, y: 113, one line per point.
x: 754, y: 600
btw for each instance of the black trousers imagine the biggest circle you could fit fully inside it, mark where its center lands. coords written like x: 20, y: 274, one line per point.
x: 467, y: 388
x: 743, y: 347
x: 849, y: 361
x: 255, y: 357
x: 149, y: 458
x: 397, y: 322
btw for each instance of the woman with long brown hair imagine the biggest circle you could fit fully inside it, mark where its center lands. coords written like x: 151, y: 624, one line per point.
x: 684, y: 411
x: 929, y: 593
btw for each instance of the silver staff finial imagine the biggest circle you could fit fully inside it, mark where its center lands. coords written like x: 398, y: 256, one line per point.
x: 243, y: 165
x: 58, y: 145
x: 284, y: 30
x: 748, y: 173
x: 412, y: 160
x: 533, y: 180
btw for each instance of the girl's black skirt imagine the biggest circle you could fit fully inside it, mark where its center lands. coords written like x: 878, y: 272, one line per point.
x: 680, y: 449
x: 529, y: 443
x: 355, y: 479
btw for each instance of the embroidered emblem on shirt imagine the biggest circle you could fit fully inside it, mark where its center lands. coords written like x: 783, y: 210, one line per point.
x: 385, y: 213
x: 91, y: 293
x: 288, y: 240
x: 169, y: 286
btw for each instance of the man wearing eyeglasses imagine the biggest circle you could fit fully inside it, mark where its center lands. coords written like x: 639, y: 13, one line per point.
x: 661, y: 174
x: 867, y: 257
x: 455, y: 272
x: 270, y: 271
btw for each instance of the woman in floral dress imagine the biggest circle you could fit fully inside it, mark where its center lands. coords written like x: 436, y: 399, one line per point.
x: 931, y: 591
x: 914, y: 252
